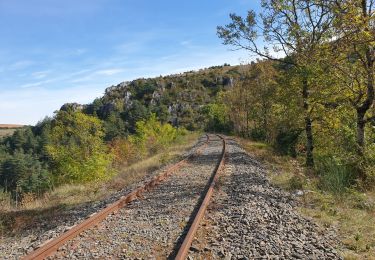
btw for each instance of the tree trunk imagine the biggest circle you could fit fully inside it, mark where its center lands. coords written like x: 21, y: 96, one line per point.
x: 247, y: 123
x: 360, y: 131
x: 308, y: 126
x: 309, y: 143
x: 368, y: 103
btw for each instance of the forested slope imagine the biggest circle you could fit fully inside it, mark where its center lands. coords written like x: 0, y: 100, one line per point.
x: 88, y: 142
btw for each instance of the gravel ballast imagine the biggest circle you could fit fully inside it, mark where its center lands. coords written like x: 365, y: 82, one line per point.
x: 25, y: 241
x: 151, y: 227
x: 248, y: 218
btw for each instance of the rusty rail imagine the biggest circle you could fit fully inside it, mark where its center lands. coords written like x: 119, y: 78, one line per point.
x: 49, y: 247
x: 185, y: 246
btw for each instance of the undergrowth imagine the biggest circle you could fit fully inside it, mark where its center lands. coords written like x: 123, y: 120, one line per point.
x: 330, y: 196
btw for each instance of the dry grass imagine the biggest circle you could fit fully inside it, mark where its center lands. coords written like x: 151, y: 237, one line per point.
x: 352, y: 214
x: 10, y: 126
x: 15, y: 219
x: 6, y: 131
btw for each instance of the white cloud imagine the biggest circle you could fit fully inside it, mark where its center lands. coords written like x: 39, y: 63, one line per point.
x: 109, y: 72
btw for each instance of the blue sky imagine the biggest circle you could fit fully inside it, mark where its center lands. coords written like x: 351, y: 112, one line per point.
x: 58, y: 51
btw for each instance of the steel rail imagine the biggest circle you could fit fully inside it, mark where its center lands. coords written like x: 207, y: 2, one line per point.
x: 49, y: 247
x: 185, y: 246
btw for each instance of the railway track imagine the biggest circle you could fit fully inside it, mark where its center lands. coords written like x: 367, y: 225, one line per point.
x: 157, y: 220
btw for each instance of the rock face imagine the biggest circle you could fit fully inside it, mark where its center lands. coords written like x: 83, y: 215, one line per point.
x: 178, y: 98
x: 251, y: 219
x: 72, y: 107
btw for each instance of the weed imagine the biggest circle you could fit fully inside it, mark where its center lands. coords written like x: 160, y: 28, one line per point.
x: 335, y: 176
x: 296, y: 183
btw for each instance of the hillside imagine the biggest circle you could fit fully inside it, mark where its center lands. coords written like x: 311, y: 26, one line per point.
x: 178, y: 99
x: 131, y: 121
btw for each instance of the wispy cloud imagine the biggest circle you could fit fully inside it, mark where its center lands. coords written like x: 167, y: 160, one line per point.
x: 40, y: 74
x: 22, y: 64
x: 30, y: 85
x: 109, y: 72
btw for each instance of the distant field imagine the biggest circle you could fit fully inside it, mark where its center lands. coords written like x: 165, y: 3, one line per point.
x: 10, y: 126
x: 8, y: 129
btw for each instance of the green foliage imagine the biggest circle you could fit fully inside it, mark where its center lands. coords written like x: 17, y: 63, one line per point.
x: 322, y: 86
x: 134, y: 114
x: 258, y: 134
x: 295, y: 183
x: 152, y: 136
x: 286, y: 141
x: 114, y: 127
x: 23, y: 173
x: 335, y: 176
x: 77, y: 150
x: 218, y: 118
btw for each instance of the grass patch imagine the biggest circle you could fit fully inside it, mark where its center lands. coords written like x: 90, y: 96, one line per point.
x: 13, y: 220
x: 6, y: 131
x: 328, y: 198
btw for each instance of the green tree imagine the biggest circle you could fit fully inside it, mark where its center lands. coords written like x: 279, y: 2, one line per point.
x: 217, y: 114
x: 22, y: 173
x: 76, y: 148
x: 137, y: 112
x: 295, y: 29
x: 353, y: 57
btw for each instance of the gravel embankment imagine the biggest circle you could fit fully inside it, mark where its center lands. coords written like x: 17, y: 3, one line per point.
x: 249, y: 218
x: 15, y: 246
x: 151, y: 227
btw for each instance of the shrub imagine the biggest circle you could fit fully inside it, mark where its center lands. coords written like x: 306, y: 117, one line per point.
x: 335, y: 176
x: 258, y: 134
x: 286, y: 141
x: 367, y: 166
x: 124, y: 151
x: 151, y: 136
x: 296, y: 183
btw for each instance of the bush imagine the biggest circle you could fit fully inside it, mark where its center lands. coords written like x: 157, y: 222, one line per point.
x: 151, y: 136
x: 296, y: 183
x: 367, y: 166
x: 335, y: 176
x: 258, y: 134
x: 124, y: 152
x: 286, y: 141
